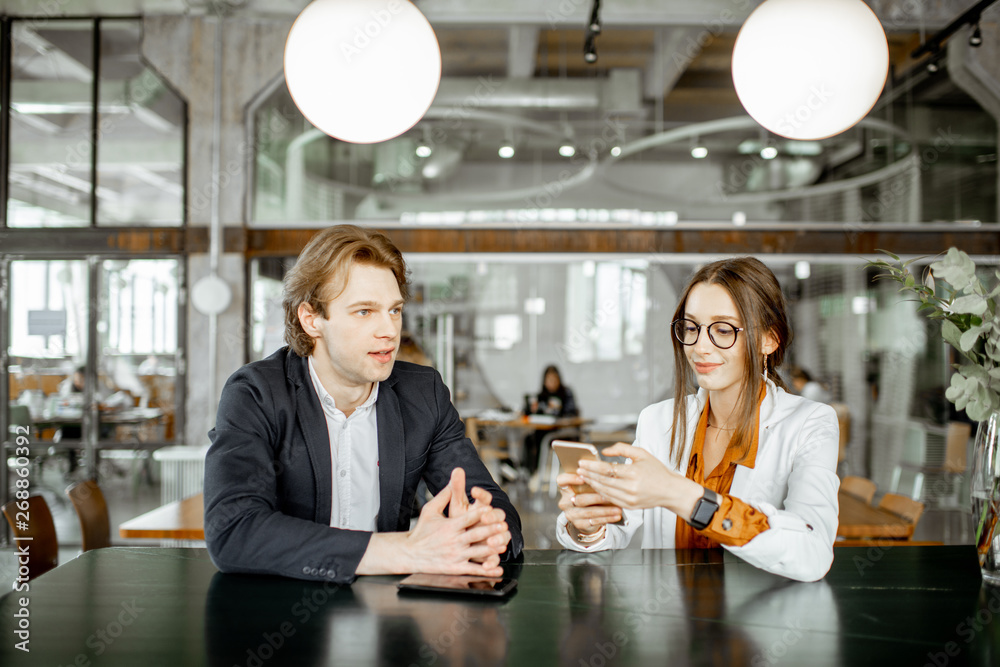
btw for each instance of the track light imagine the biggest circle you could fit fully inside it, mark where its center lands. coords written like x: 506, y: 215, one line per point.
x: 699, y: 152
x: 593, y: 29
x: 616, y: 151
x: 424, y: 149
x: 567, y: 149
x: 506, y: 151
x: 976, y: 38
x: 769, y: 152
x: 590, y: 50
x: 595, y: 18
x: 932, y: 45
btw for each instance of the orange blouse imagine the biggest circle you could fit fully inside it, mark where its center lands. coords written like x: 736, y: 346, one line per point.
x: 736, y: 522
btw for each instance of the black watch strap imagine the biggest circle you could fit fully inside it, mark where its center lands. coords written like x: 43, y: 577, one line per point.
x: 704, y: 510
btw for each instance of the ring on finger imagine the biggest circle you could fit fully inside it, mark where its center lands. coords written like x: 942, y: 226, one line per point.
x: 614, y: 470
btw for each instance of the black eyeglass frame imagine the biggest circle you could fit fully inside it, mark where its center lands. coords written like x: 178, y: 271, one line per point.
x: 708, y: 327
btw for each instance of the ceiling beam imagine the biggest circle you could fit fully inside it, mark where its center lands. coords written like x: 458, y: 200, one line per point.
x: 674, y: 49
x: 831, y: 240
x: 522, y: 51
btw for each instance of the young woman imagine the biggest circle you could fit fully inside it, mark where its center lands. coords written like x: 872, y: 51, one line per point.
x: 554, y: 399
x: 741, y: 464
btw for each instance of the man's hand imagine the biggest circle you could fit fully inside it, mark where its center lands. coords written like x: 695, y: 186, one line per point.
x: 459, y: 505
x: 469, y: 543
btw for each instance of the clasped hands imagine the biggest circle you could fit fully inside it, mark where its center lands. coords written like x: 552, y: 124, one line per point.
x: 467, y: 541
x: 644, y: 483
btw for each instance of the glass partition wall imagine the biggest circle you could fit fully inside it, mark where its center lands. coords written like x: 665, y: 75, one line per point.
x: 119, y: 393
x: 491, y: 324
x: 90, y: 335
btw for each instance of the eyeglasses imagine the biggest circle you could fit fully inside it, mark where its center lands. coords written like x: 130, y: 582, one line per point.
x: 722, y: 334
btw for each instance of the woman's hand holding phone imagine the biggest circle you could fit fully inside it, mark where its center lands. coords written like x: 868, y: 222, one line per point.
x: 585, y: 509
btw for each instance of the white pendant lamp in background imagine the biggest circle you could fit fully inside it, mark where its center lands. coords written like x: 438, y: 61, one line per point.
x: 810, y: 69
x: 362, y: 71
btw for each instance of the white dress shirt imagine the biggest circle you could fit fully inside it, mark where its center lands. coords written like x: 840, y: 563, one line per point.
x: 354, y: 454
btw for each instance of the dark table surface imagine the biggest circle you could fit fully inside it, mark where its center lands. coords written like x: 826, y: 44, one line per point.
x: 880, y: 606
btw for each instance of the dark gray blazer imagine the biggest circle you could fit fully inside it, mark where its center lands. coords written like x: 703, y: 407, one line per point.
x: 268, y: 478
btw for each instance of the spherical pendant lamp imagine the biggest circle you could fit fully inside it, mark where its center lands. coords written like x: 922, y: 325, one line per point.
x: 810, y: 69
x: 362, y: 71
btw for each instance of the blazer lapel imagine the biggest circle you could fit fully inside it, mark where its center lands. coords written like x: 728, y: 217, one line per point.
x: 312, y: 421
x: 391, y: 453
x: 742, y: 479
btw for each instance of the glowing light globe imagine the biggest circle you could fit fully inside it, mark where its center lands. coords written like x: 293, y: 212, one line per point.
x: 810, y: 69
x: 362, y: 71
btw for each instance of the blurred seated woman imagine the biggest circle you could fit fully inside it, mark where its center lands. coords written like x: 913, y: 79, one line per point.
x: 555, y: 399
x: 741, y: 464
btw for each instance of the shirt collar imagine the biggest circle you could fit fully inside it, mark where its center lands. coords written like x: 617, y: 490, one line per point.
x: 750, y: 461
x: 327, y: 401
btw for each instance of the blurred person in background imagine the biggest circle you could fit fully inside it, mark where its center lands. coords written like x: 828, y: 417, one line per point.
x: 806, y: 387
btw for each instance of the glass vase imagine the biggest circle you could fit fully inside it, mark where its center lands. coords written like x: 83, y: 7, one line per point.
x: 985, y: 489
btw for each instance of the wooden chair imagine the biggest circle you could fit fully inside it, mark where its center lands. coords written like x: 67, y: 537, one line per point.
x: 34, y: 522
x: 902, y: 506
x: 859, y: 487
x: 488, y: 449
x: 92, y: 510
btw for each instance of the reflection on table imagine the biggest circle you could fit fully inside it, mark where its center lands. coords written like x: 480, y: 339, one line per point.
x: 631, y: 607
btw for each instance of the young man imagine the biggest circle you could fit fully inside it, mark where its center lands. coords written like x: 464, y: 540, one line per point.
x: 318, y: 449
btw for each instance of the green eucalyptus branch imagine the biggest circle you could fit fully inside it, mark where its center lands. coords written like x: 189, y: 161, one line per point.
x: 952, y: 293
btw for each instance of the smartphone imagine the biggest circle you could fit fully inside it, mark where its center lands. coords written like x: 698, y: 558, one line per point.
x: 458, y: 584
x: 570, y: 454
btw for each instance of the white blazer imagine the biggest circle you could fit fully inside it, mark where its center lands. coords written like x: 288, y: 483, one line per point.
x: 793, y: 482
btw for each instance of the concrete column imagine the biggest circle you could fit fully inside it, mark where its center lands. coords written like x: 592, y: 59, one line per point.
x: 852, y: 370
x: 976, y: 70
x: 182, y: 49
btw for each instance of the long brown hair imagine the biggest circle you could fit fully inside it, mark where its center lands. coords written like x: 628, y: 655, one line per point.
x: 321, y: 271
x: 761, y: 307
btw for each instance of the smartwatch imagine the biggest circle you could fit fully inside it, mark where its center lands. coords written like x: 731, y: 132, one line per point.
x: 704, y: 510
